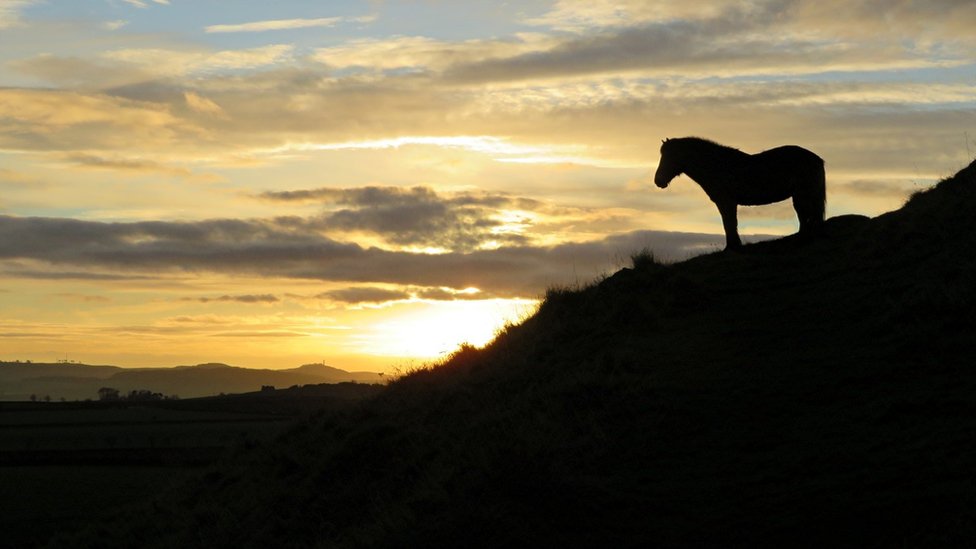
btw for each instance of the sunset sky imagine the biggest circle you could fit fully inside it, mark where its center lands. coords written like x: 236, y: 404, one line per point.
x: 371, y: 183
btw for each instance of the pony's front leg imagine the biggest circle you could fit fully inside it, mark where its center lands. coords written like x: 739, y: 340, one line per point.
x: 731, y: 224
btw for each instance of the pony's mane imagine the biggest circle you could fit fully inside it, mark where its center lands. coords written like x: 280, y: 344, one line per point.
x: 700, y: 144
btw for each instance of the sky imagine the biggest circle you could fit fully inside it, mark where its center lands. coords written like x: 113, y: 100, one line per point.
x: 370, y: 183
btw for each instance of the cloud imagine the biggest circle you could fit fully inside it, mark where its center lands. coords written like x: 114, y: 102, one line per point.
x: 255, y: 248
x: 10, y: 11
x: 168, y: 62
x: 420, y: 52
x: 84, y: 298
x: 615, y: 122
x: 72, y: 72
x: 115, y: 25
x: 452, y: 294
x: 581, y: 15
x: 825, y: 18
x: 365, y: 294
x: 61, y: 274
x: 278, y: 24
x: 246, y: 298
x: 261, y: 334
x: 359, y: 295
x: 417, y: 216
x: 59, y: 121
x: 723, y: 46
x: 126, y: 164
x: 143, y: 5
x: 201, y: 104
x: 147, y: 66
x: 13, y: 177
x: 724, y: 38
x: 939, y: 20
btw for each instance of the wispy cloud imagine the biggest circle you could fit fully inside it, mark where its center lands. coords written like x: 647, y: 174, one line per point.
x: 420, y: 52
x: 10, y: 11
x: 275, y: 24
x: 142, y: 4
x: 373, y: 295
x: 245, y: 298
x: 83, y: 298
x: 201, y: 104
x: 115, y: 25
x: 164, y: 62
x: 136, y: 165
x: 365, y: 294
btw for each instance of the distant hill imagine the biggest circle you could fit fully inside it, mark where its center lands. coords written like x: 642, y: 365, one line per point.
x: 79, y: 381
x: 795, y: 394
x: 15, y: 371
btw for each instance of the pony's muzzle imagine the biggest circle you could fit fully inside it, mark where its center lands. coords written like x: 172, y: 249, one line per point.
x: 662, y: 183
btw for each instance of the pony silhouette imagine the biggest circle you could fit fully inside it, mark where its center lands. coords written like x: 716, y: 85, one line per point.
x: 732, y: 178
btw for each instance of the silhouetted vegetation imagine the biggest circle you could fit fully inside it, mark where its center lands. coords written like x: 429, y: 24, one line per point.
x: 815, y: 392
x: 109, y: 394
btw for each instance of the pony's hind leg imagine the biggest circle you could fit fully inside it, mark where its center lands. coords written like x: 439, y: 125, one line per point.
x: 809, y: 215
x: 809, y: 201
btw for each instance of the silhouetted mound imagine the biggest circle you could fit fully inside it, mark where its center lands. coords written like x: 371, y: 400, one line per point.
x: 818, y: 393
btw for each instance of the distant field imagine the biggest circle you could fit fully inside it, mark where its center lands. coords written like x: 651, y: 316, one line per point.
x: 128, y: 428
x: 63, y: 465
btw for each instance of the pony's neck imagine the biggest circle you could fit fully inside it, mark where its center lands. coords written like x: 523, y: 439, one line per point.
x: 704, y: 159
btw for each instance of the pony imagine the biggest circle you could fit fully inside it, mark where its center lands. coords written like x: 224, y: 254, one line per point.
x: 732, y: 178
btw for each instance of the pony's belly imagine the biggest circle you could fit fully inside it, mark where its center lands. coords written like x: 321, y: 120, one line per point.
x: 764, y: 202
x: 760, y: 197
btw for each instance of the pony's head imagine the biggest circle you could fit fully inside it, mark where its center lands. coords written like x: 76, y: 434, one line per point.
x: 669, y: 167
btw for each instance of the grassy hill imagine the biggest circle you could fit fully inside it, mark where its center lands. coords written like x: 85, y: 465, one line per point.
x: 797, y: 393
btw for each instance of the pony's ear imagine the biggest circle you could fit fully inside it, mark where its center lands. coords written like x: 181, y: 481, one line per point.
x: 665, y: 140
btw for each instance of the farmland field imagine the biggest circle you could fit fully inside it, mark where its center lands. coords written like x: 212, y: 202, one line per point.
x: 66, y: 464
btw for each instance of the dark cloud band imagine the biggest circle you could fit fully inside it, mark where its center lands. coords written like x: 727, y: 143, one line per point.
x: 253, y: 248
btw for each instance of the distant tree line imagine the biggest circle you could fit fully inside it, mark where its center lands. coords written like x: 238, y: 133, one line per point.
x: 141, y: 395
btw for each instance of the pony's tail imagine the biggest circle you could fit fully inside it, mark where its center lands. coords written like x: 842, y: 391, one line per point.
x: 820, y: 192
x: 811, y: 200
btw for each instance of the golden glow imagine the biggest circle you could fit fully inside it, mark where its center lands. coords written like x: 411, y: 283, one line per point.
x: 434, y: 329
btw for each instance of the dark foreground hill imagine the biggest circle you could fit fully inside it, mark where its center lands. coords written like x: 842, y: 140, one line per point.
x: 795, y: 394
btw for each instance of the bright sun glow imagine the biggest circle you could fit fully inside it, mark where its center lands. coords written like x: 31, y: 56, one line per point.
x: 437, y: 328
x: 499, y: 149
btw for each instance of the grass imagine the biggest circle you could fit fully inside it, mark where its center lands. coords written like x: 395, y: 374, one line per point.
x: 794, y: 394
x: 643, y: 259
x: 36, y: 501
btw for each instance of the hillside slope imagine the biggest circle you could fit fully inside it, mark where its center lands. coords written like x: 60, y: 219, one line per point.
x: 804, y: 394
